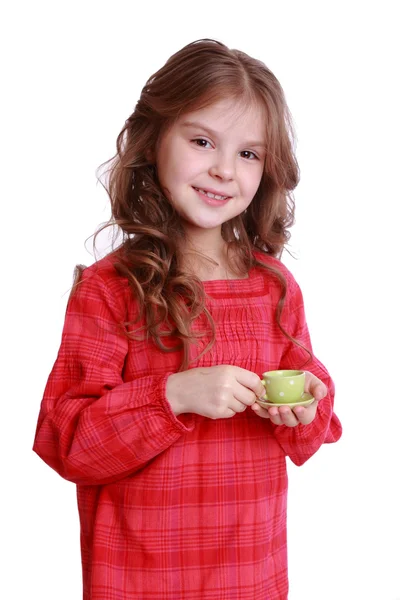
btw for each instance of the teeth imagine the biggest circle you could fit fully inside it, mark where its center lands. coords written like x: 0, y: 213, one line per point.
x: 210, y: 195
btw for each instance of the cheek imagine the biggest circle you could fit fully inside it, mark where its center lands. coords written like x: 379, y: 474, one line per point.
x: 186, y: 164
x: 167, y: 174
x: 175, y: 169
x: 165, y: 162
x: 251, y: 182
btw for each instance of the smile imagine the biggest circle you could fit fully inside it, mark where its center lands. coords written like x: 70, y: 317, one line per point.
x: 211, y: 195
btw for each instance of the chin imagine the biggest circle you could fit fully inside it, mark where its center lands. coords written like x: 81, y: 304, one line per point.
x: 206, y: 224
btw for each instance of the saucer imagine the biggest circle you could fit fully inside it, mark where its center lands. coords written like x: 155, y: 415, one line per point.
x: 306, y: 400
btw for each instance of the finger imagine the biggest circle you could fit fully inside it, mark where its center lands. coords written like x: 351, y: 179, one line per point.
x: 300, y: 413
x: 250, y: 380
x: 237, y: 406
x: 287, y: 416
x: 244, y: 395
x: 306, y: 415
x: 282, y: 415
x: 275, y: 419
x: 274, y: 415
x: 273, y: 411
x: 226, y: 414
x: 260, y: 411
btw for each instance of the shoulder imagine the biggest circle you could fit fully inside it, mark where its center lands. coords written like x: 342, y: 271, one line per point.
x: 100, y: 284
x: 104, y: 271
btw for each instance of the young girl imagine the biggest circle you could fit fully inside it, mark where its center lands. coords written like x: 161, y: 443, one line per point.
x: 151, y: 405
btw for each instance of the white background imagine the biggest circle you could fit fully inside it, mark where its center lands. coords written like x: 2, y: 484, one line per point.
x: 71, y: 75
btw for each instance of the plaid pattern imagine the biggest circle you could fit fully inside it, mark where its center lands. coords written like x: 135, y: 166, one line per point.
x: 176, y: 508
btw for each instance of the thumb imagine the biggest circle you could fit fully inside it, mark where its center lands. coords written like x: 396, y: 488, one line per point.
x: 315, y: 387
x: 260, y: 389
x: 250, y: 380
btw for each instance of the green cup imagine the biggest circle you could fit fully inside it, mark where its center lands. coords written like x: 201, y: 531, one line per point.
x: 283, y: 386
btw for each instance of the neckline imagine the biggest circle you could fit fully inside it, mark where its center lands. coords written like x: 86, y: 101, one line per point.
x: 227, y: 279
x: 254, y: 285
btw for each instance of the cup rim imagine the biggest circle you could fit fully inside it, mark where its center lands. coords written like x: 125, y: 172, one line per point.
x: 283, y: 373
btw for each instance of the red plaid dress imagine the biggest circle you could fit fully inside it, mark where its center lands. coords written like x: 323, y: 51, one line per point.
x: 171, y: 508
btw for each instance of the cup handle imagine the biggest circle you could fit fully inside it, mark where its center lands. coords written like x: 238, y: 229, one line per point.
x: 265, y: 397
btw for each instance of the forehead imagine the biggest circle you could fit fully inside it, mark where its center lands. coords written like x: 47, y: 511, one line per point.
x: 231, y: 118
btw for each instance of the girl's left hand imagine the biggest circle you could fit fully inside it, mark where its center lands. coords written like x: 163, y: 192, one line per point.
x: 283, y: 415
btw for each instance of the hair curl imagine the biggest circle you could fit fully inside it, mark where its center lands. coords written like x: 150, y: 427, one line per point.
x: 169, y: 299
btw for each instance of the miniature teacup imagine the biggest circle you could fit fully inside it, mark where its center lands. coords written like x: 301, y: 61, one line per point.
x: 283, y: 386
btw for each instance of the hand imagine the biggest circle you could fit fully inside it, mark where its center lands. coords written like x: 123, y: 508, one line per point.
x: 215, y: 392
x: 284, y: 415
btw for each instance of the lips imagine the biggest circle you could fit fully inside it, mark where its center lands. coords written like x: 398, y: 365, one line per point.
x: 211, y: 198
x: 213, y: 194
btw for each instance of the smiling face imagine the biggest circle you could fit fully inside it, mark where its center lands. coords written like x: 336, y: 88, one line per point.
x: 210, y: 163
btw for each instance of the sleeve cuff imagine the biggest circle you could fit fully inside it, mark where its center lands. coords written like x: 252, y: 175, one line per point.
x: 184, y: 422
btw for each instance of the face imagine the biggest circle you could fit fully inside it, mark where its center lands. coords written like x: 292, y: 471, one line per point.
x: 210, y: 163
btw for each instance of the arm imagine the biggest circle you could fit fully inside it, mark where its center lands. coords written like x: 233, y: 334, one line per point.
x: 302, y: 441
x: 93, y: 428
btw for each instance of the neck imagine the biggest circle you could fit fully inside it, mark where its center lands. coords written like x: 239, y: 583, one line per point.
x: 203, y: 247
x: 209, y: 261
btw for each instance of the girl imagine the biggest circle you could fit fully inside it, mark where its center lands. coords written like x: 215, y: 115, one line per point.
x: 151, y: 405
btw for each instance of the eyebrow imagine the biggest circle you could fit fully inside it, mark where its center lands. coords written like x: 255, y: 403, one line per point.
x: 211, y: 133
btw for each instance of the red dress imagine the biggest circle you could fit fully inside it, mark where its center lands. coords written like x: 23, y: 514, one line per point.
x: 171, y: 508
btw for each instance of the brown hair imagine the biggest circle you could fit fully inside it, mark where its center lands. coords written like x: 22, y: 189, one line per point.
x: 198, y: 75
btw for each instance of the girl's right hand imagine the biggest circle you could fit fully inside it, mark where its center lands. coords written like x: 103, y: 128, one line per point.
x: 215, y: 392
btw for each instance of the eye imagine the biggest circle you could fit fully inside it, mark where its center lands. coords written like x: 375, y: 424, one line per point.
x: 201, y: 142
x: 249, y: 155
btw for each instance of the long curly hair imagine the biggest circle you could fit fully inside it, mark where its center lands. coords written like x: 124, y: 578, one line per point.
x: 168, y: 298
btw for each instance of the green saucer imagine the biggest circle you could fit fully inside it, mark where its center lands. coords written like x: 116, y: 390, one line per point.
x: 306, y: 400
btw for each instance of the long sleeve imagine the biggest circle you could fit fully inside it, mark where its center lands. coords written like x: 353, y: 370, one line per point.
x: 93, y: 427
x: 301, y: 442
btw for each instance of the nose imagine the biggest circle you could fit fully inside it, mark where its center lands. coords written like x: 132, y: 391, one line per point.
x: 222, y: 168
